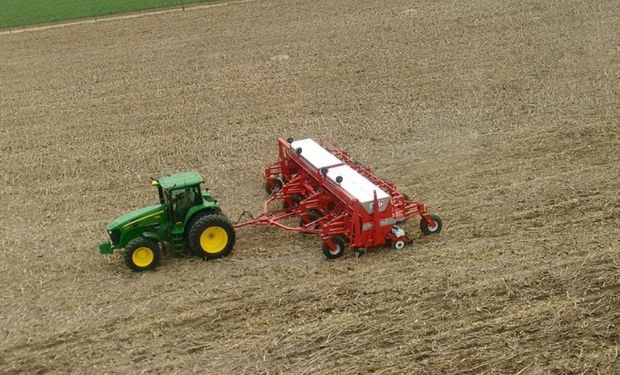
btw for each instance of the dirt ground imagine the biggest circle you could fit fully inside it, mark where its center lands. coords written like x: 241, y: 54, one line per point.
x: 502, y: 116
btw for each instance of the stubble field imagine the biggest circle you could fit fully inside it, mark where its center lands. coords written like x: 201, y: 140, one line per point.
x: 502, y: 116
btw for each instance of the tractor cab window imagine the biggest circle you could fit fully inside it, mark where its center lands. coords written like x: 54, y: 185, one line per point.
x: 184, y: 199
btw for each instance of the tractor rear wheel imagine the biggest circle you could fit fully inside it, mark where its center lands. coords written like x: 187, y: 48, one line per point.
x: 212, y: 236
x: 142, y: 254
x: 341, y: 245
x: 190, y: 224
x: 434, y: 229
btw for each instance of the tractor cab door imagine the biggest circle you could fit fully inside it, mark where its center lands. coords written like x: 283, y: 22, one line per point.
x: 178, y: 202
x: 167, y: 201
x: 181, y: 200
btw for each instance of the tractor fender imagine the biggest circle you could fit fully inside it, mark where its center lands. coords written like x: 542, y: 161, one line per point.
x: 199, y: 211
x: 152, y: 236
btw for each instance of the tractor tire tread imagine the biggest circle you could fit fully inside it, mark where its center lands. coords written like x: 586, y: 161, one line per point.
x: 141, y: 242
x: 205, y: 221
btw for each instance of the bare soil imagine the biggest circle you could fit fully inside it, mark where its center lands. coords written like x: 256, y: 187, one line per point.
x: 502, y: 116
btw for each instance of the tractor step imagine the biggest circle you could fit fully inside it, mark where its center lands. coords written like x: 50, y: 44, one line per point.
x: 178, y: 242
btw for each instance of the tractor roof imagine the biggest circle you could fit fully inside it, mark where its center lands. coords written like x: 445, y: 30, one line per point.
x: 180, y: 180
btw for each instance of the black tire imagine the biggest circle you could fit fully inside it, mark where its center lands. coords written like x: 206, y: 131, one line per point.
x: 331, y: 206
x: 190, y: 224
x: 292, y: 202
x: 273, y: 185
x: 341, y: 247
x: 310, y: 216
x: 142, y: 254
x: 431, y: 230
x: 212, y: 236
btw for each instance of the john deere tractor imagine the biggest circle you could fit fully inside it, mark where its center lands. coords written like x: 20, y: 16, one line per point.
x: 185, y: 217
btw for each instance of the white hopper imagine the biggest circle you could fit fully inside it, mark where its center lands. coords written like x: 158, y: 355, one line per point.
x: 315, y: 154
x: 359, y: 187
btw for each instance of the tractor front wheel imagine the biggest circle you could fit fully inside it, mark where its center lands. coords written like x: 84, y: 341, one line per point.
x: 212, y: 236
x: 338, y: 251
x: 431, y: 229
x: 142, y: 254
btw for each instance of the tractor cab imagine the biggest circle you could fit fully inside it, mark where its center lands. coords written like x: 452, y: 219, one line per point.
x: 179, y: 193
x: 186, y: 217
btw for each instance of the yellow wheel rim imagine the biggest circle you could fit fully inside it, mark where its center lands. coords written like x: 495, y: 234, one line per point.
x: 213, y: 240
x: 142, y: 257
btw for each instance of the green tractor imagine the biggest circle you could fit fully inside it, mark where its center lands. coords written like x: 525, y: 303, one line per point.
x: 186, y: 217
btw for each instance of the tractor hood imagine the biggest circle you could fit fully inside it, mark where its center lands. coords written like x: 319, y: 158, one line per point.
x: 136, y: 217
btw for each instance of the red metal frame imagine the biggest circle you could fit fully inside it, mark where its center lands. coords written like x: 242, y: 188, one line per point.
x: 304, y: 188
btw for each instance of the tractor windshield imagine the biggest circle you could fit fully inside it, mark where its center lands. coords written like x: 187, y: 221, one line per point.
x: 184, y: 199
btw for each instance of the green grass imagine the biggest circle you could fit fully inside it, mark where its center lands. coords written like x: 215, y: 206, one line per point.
x: 28, y: 12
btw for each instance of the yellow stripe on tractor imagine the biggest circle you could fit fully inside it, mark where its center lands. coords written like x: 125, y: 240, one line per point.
x: 156, y: 214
